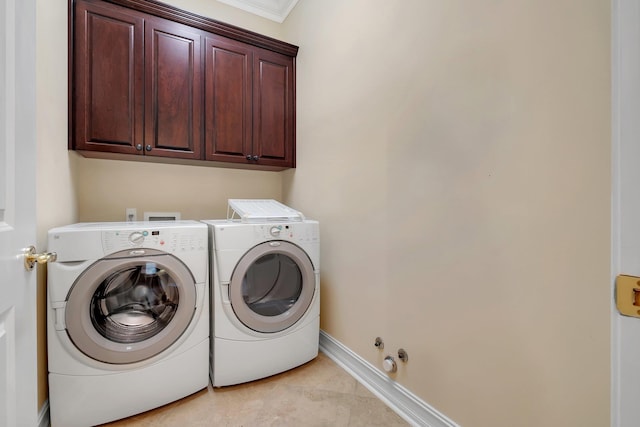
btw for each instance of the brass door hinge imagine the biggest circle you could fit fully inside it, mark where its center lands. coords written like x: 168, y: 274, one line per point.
x: 628, y: 295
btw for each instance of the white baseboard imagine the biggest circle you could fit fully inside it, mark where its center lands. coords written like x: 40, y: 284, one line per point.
x: 413, y: 410
x: 43, y: 416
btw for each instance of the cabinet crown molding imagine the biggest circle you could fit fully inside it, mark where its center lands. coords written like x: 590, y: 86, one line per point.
x: 175, y: 14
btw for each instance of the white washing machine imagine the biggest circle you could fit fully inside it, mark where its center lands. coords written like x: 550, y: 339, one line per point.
x: 265, y: 298
x: 128, y: 318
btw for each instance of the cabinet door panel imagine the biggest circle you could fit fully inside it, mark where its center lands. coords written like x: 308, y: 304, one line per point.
x: 227, y: 100
x: 108, y: 91
x: 273, y: 109
x: 174, y: 90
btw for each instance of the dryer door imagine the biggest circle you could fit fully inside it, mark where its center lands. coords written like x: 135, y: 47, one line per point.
x: 130, y: 306
x: 272, y: 286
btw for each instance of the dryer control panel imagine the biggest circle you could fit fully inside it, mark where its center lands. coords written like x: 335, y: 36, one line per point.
x: 294, y: 232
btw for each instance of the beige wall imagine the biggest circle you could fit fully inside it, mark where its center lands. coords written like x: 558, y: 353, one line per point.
x: 457, y: 155
x: 56, y: 199
x: 107, y: 187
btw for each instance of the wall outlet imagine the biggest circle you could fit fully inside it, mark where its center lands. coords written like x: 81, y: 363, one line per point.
x: 131, y: 214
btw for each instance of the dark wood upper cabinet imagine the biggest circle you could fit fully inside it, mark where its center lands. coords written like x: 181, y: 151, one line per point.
x: 249, y: 104
x: 151, y: 80
x: 173, y: 90
x: 273, y: 108
x: 228, y: 99
x: 108, y: 85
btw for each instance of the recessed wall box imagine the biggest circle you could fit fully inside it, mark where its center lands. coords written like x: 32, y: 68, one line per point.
x: 162, y: 216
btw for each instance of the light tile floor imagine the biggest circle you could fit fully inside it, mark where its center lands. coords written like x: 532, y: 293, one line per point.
x: 319, y: 393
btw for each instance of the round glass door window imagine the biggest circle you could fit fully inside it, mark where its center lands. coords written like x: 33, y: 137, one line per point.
x: 124, y: 310
x: 272, y: 286
x: 134, y: 304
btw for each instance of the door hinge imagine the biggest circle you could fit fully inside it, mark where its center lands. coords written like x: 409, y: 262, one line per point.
x: 628, y: 295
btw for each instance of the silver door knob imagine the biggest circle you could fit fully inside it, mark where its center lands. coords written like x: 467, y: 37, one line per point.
x: 31, y: 257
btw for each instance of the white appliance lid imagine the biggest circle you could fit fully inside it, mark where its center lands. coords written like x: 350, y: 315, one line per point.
x: 262, y: 210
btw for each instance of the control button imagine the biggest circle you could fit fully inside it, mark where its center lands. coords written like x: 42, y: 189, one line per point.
x: 136, y: 238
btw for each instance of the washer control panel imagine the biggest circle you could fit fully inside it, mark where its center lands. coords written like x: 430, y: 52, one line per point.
x: 167, y: 240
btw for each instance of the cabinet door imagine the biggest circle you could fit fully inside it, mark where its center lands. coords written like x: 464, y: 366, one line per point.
x: 228, y: 130
x: 273, y: 109
x: 173, y: 96
x: 108, y: 72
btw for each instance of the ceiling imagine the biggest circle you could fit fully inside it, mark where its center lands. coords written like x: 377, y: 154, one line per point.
x: 276, y: 10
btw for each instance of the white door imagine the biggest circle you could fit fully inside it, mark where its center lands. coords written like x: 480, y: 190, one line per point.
x: 18, y: 352
x: 625, y: 391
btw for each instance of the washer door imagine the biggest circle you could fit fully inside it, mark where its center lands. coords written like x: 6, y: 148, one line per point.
x: 272, y: 286
x: 130, y: 306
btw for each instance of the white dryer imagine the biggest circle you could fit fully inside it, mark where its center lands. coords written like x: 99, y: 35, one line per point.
x: 128, y: 318
x: 265, y: 298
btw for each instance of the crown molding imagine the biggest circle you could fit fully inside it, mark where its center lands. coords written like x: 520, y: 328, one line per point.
x: 275, y: 10
x: 163, y: 10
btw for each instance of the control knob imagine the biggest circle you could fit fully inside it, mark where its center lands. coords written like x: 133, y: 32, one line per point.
x: 136, y: 238
x: 275, y: 231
